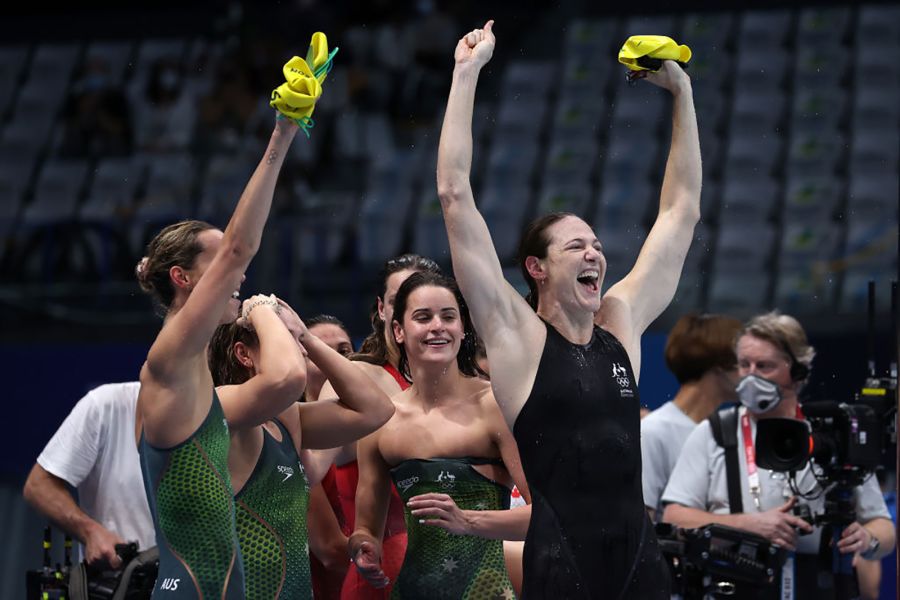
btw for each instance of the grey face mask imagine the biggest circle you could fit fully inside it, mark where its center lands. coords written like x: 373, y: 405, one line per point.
x: 758, y: 395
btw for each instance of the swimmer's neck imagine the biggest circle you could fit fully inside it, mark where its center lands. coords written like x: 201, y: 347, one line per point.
x: 436, y: 384
x: 576, y: 327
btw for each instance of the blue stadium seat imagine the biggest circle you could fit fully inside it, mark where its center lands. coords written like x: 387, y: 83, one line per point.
x: 564, y: 196
x: 624, y: 203
x: 873, y: 195
x: 738, y: 293
x: 805, y: 289
x: 112, y: 190
x: 570, y: 160
x: 744, y: 247
x: 818, y: 25
x: 56, y: 194
x: 748, y: 199
x: 807, y: 242
x: 811, y: 198
x: 382, y: 223
x: 764, y: 28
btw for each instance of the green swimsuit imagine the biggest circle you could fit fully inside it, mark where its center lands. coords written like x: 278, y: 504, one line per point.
x: 271, y: 523
x: 191, y: 498
x: 439, y: 564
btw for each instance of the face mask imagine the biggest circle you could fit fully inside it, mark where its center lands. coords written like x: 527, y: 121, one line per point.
x: 758, y: 395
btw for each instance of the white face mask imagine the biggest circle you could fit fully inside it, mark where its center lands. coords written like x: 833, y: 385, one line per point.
x: 758, y: 395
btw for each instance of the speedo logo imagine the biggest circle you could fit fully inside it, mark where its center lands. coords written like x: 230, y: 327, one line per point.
x: 288, y: 472
x: 407, y: 483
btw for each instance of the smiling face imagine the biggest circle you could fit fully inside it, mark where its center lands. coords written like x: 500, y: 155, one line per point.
x: 572, y: 273
x: 432, y: 328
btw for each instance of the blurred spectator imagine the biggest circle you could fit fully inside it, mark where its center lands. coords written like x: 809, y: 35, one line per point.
x: 700, y: 353
x: 97, y: 119
x: 226, y: 111
x: 164, y: 114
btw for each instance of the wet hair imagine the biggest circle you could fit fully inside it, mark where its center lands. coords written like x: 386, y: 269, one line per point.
x: 786, y: 334
x: 535, y: 241
x: 700, y: 343
x: 466, y: 358
x: 374, y: 347
x: 224, y: 365
x: 324, y: 319
x: 176, y: 245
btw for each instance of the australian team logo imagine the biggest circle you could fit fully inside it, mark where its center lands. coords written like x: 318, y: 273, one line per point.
x: 620, y: 374
x: 446, y: 479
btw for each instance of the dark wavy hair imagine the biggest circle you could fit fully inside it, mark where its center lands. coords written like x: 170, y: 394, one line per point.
x: 226, y: 369
x: 468, y: 349
x: 374, y: 347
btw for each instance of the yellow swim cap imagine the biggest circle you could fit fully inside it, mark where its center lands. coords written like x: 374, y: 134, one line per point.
x: 646, y: 52
x: 296, y: 98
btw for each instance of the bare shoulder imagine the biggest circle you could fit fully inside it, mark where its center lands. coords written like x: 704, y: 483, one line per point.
x: 384, y: 380
x: 379, y: 375
x: 484, y: 395
x: 171, y: 409
x: 480, y: 390
x: 514, y: 364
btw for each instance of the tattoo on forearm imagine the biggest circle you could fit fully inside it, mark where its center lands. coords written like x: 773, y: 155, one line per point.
x: 273, y: 156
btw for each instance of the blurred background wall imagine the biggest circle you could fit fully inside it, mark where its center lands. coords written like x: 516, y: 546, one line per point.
x: 115, y: 121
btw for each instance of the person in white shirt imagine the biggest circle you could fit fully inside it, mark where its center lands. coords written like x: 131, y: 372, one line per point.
x: 700, y: 353
x: 94, y: 452
x: 774, y: 362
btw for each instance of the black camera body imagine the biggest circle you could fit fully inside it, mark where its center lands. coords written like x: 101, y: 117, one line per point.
x: 846, y: 441
x: 717, y: 560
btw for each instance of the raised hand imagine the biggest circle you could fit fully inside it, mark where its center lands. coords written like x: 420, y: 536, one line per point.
x: 476, y: 47
x: 670, y: 77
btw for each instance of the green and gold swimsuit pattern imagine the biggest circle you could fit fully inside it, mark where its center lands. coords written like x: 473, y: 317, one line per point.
x: 191, y: 498
x: 271, y: 523
x: 442, y: 565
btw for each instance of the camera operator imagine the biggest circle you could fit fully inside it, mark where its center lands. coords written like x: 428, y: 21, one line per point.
x: 774, y: 360
x: 94, y: 452
x: 700, y: 353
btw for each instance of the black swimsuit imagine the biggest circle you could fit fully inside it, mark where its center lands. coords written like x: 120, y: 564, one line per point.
x: 579, y: 440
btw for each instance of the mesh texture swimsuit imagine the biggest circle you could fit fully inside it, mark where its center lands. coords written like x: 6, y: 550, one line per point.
x: 191, y: 499
x: 441, y: 565
x: 271, y: 523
